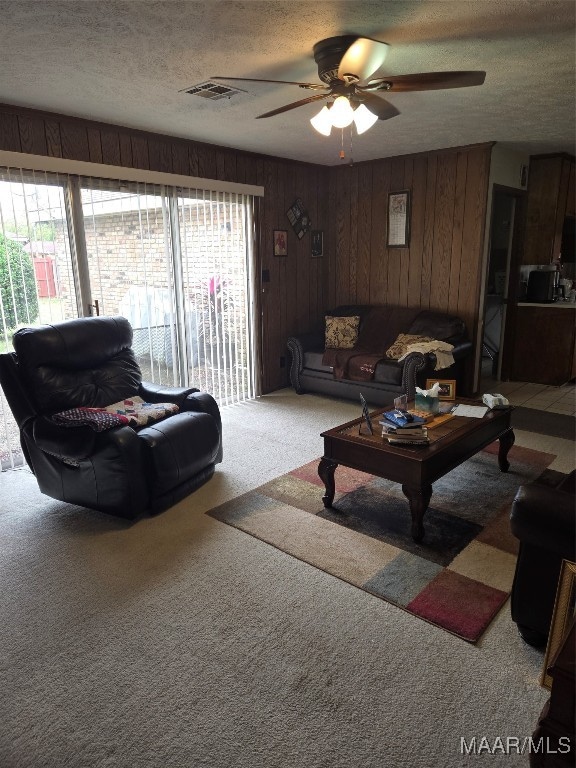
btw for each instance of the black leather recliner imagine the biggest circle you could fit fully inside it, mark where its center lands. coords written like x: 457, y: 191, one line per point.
x: 544, y: 521
x: 123, y: 471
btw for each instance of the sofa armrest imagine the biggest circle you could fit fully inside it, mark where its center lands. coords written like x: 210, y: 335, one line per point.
x: 413, y: 364
x: 308, y: 341
x: 544, y: 517
x: 297, y: 346
x: 202, y: 402
x: 157, y: 393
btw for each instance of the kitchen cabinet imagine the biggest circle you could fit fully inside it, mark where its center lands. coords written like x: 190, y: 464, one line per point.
x: 550, y: 199
x: 544, y: 344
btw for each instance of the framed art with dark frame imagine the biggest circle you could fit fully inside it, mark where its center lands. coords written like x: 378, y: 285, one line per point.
x: 447, y: 388
x: 280, y: 239
x: 366, y: 416
x: 398, y: 219
x: 564, y: 610
x: 317, y: 243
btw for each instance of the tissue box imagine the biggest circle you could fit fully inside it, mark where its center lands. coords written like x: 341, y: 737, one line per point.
x: 425, y: 403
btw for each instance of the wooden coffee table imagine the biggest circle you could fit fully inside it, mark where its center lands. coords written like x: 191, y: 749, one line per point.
x: 415, y: 467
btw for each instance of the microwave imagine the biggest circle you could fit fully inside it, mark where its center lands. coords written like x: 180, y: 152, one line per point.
x: 541, y: 287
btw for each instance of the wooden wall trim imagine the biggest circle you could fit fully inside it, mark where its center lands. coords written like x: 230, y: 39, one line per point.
x: 122, y: 173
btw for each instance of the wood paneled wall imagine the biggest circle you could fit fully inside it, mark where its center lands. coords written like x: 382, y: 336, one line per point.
x: 440, y: 269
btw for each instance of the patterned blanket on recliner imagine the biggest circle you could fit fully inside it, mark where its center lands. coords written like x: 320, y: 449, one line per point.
x: 133, y: 412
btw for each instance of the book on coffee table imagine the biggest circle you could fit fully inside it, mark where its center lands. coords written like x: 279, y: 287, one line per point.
x: 403, y: 431
x: 401, y: 420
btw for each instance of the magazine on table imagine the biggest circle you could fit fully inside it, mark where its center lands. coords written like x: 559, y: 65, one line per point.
x: 401, y: 420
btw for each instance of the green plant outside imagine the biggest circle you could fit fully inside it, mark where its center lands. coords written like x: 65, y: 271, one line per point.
x: 18, y: 297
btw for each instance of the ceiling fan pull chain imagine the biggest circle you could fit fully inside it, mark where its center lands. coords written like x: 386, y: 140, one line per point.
x: 351, y: 147
x: 342, y: 153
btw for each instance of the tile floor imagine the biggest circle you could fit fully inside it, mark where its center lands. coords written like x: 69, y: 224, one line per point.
x: 539, y: 396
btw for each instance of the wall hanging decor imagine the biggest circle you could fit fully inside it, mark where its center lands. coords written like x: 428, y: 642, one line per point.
x: 280, y: 239
x: 317, y: 243
x: 299, y: 218
x: 398, y: 219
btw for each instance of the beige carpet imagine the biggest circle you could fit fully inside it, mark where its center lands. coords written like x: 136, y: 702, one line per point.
x: 179, y: 641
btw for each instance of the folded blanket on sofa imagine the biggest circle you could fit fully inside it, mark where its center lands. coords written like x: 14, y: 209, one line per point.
x: 442, y: 350
x: 133, y: 412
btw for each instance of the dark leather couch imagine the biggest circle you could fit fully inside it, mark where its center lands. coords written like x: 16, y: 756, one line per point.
x: 308, y: 373
x: 544, y: 521
x: 124, y: 471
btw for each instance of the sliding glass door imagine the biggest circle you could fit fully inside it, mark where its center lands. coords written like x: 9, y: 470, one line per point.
x: 175, y: 263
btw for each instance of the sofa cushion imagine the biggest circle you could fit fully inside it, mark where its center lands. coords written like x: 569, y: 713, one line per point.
x: 403, y: 341
x: 341, y: 332
x: 437, y: 325
x: 313, y: 361
x: 382, y: 325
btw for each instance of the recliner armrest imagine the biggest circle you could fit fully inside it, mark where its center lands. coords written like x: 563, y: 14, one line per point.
x: 75, y: 443
x: 545, y: 517
x: 202, y: 402
x: 157, y: 393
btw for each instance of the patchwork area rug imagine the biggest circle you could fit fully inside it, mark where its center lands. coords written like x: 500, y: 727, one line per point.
x: 457, y: 578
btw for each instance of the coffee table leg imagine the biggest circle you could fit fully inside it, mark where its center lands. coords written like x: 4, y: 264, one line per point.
x: 326, y: 470
x: 418, y: 498
x: 506, y: 441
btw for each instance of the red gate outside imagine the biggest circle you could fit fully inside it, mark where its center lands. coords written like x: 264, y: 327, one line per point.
x: 44, y: 273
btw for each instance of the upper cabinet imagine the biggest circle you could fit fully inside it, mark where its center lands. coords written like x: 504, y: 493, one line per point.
x: 551, y: 198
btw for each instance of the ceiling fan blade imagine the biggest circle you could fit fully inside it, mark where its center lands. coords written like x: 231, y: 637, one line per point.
x: 315, y: 86
x: 431, y: 81
x: 380, y: 107
x: 362, y: 59
x: 295, y: 104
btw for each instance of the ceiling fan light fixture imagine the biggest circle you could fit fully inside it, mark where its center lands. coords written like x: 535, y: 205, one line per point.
x: 322, y: 122
x: 364, y: 118
x: 341, y: 113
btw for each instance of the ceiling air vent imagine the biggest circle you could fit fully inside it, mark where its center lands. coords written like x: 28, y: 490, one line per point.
x: 212, y: 91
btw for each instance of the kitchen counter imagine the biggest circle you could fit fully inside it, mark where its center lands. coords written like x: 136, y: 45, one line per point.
x: 550, y: 305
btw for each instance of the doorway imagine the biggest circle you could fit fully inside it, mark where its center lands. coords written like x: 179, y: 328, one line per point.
x: 500, y: 282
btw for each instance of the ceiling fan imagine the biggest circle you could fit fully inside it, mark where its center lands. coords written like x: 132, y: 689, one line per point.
x: 345, y: 67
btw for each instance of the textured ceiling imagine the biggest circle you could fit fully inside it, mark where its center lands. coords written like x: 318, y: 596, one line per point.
x: 127, y: 61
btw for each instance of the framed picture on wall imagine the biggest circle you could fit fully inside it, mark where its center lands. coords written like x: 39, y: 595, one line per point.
x: 317, y: 243
x: 280, y: 242
x: 398, y: 219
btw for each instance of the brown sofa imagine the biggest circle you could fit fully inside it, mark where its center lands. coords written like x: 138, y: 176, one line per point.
x: 312, y: 370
